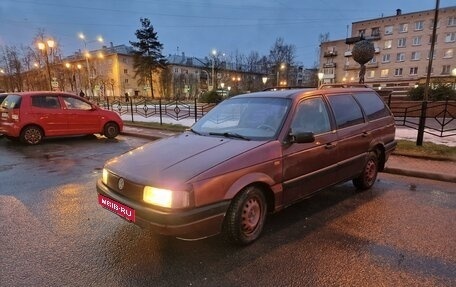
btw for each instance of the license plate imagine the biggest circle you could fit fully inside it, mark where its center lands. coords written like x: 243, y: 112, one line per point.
x: 118, y: 208
x: 4, y: 115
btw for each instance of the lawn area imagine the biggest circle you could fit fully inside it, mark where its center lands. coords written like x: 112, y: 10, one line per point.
x: 410, y: 148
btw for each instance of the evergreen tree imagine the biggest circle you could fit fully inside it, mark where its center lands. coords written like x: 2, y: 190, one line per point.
x: 147, y: 54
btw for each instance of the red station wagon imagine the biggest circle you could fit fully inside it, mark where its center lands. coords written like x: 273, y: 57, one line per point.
x: 251, y: 155
x: 32, y: 116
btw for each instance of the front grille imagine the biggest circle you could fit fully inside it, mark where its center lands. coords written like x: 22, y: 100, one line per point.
x: 131, y: 190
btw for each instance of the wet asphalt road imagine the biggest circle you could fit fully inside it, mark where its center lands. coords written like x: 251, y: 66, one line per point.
x: 53, y: 233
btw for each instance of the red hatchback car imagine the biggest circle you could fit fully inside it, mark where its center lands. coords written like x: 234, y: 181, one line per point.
x: 32, y: 116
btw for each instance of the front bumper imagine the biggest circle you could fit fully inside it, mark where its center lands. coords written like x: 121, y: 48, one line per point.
x: 195, y: 223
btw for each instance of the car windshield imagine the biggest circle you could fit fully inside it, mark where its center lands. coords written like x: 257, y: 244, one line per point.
x: 245, y: 118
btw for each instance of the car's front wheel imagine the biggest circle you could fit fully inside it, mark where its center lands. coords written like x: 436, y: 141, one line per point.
x: 32, y: 135
x: 369, y: 175
x: 111, y: 130
x: 246, y: 215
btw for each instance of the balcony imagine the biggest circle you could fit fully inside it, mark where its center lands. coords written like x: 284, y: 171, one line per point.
x: 351, y: 67
x: 374, y: 36
x: 348, y: 53
x: 377, y: 50
x: 329, y: 65
x: 330, y: 54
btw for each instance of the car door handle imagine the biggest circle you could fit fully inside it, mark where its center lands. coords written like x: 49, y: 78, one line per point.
x: 330, y: 146
x: 366, y: 134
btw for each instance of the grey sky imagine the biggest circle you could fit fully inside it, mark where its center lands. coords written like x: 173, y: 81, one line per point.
x: 196, y: 26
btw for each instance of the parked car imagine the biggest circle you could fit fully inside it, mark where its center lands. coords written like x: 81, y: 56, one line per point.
x: 251, y: 155
x: 33, y: 116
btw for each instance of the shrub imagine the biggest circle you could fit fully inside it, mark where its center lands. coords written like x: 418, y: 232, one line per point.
x: 439, y: 92
x: 210, y: 97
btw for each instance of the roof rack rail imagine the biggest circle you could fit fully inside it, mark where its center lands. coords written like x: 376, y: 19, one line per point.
x: 282, y: 88
x: 354, y: 85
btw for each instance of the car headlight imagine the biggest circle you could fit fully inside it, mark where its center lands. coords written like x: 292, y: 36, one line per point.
x: 165, y: 197
x: 105, y: 176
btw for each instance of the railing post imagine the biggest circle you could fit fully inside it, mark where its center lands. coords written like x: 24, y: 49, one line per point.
x: 160, y: 108
x: 131, y: 109
x: 422, y: 124
x: 107, y: 102
x: 196, y: 111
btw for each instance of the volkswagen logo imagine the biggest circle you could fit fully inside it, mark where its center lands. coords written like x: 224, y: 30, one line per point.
x: 121, y: 183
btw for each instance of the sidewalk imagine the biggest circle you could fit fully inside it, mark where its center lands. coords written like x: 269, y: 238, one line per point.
x: 403, y: 165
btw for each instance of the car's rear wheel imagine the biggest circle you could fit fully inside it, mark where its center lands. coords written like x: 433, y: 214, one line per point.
x: 111, y: 130
x: 32, y: 135
x: 369, y: 175
x: 246, y: 215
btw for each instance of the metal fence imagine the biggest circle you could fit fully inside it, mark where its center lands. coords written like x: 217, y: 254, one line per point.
x: 440, y: 116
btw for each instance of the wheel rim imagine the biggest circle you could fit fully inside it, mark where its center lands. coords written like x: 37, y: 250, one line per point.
x: 251, y: 215
x: 32, y: 136
x: 370, y: 172
x: 111, y: 131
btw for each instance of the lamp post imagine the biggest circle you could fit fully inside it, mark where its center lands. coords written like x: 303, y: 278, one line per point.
x: 222, y: 85
x: 87, y: 56
x: 282, y: 67
x: 264, y: 79
x: 320, y: 78
x: 47, y: 47
x: 453, y: 73
x: 214, y: 54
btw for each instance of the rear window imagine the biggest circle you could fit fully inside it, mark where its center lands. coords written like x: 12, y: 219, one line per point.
x: 346, y: 110
x: 373, y: 105
x: 12, y: 102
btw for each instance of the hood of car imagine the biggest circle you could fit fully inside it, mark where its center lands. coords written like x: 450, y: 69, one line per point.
x: 177, y: 159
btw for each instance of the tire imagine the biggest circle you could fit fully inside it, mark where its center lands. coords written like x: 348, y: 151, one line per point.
x: 369, y: 175
x: 245, y: 217
x: 111, y: 130
x: 32, y: 135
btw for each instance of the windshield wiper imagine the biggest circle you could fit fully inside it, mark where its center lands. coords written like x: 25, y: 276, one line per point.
x: 230, y: 135
x: 195, y: 132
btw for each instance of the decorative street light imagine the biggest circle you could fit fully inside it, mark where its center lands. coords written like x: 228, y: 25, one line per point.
x: 87, y: 55
x: 320, y: 78
x: 282, y: 67
x: 264, y: 79
x: 46, y: 48
x: 214, y: 54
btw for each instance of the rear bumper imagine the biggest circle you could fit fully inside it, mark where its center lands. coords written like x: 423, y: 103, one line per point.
x: 9, y: 129
x: 189, y: 224
x: 389, y: 148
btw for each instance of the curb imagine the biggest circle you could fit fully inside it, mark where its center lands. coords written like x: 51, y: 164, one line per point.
x: 420, y: 174
x: 144, y: 136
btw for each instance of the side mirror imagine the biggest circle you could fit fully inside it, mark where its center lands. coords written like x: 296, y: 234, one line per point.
x: 302, y: 137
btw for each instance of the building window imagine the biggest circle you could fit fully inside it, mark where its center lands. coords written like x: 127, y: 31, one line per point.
x: 403, y: 27
x: 452, y: 21
x: 400, y: 57
x: 126, y: 81
x: 386, y: 58
x: 125, y: 60
x: 429, y: 54
x: 450, y: 37
x: 362, y: 32
x: 431, y: 24
x: 448, y: 54
x: 414, y: 71
x: 373, y: 60
x: 415, y: 56
x: 416, y: 41
x: 446, y: 69
x: 125, y: 71
x: 375, y: 32
x: 388, y: 30
x: 384, y: 73
x: 370, y: 74
x: 176, y: 70
x: 419, y: 25
x: 387, y: 44
x: 401, y: 42
x: 430, y: 39
x: 398, y: 72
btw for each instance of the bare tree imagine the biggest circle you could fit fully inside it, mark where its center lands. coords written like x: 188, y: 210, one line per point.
x: 281, y: 57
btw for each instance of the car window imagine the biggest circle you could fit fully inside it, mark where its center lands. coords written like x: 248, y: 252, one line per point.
x: 45, y: 101
x: 373, y: 105
x: 12, y: 102
x: 346, y: 110
x: 311, y: 116
x: 76, y: 104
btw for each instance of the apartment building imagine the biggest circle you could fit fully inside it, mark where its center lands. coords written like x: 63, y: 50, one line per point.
x: 402, y: 49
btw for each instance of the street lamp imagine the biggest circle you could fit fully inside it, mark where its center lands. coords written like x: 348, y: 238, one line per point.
x: 222, y: 85
x: 87, y: 55
x: 282, y: 67
x: 47, y: 47
x: 320, y: 78
x: 453, y: 73
x: 264, y: 79
x: 214, y: 54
